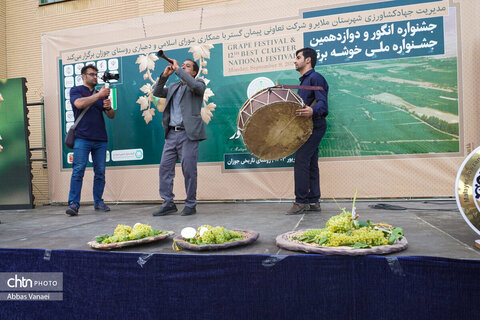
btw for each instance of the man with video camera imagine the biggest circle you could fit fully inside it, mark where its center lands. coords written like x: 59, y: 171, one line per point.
x: 90, y: 137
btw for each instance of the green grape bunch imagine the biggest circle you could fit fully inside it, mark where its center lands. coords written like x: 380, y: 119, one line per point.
x: 220, y: 234
x: 340, y: 223
x: 343, y: 230
x: 122, y: 230
x: 312, y: 232
x: 126, y: 233
x: 140, y: 231
x: 206, y: 226
x: 208, y: 237
x: 207, y: 234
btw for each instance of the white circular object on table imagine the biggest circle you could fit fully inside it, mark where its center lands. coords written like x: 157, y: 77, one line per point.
x: 188, y: 232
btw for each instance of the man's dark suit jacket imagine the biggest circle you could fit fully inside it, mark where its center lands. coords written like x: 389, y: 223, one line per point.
x: 191, y: 103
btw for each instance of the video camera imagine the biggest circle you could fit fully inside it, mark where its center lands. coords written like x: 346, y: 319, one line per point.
x: 107, y: 76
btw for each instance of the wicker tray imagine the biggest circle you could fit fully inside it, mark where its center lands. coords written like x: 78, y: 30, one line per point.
x: 286, y: 241
x: 248, y: 236
x: 94, y: 244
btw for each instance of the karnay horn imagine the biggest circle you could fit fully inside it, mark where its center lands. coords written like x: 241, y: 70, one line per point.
x: 160, y: 54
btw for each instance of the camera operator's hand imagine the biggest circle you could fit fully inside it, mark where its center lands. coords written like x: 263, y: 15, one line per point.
x: 168, y: 70
x: 107, y: 107
x: 107, y: 104
x: 104, y: 92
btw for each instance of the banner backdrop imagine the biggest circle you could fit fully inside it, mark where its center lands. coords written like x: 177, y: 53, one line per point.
x: 395, y: 112
x: 15, y: 168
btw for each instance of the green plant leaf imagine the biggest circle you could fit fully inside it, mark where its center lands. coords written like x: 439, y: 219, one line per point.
x: 323, y: 240
x: 102, y: 238
x: 397, y: 233
x: 362, y: 224
x: 360, y: 245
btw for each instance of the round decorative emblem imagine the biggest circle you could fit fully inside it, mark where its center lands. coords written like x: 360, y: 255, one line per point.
x: 467, y: 190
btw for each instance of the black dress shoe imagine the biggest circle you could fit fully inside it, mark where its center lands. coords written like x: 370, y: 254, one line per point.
x: 187, y: 211
x: 165, y: 210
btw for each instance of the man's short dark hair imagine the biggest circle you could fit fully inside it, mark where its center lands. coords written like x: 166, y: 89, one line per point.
x: 308, y: 53
x: 89, y: 66
x: 195, y: 66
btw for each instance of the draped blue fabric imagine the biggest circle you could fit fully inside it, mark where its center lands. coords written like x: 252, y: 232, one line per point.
x: 107, y: 285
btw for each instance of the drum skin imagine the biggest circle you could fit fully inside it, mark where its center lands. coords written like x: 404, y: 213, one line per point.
x: 269, y: 126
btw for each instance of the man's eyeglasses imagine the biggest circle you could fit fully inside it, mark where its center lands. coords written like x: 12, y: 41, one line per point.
x: 91, y: 74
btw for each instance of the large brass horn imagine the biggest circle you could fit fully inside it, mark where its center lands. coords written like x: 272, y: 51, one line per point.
x: 161, y: 54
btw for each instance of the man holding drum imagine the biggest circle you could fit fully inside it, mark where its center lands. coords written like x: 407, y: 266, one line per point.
x: 184, y: 129
x: 306, y: 173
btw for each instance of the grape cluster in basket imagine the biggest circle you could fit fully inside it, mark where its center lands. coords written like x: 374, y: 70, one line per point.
x: 207, y: 234
x: 345, y: 230
x: 126, y: 233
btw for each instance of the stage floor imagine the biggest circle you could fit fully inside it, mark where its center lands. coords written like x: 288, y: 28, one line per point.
x: 433, y: 228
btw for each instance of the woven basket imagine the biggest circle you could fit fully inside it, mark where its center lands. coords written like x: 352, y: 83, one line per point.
x: 286, y: 241
x: 248, y: 236
x: 94, y: 244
